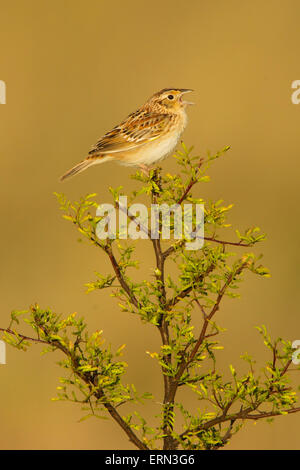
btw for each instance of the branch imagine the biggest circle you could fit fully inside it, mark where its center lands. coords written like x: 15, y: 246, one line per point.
x: 167, y: 426
x: 191, y: 183
x: 24, y: 338
x: 185, y: 362
x: 87, y: 378
x: 126, y: 428
x: 224, y: 242
x: 226, y: 436
x: 272, y: 413
x: 172, y: 248
x: 185, y: 292
x: 243, y: 415
x: 120, y: 276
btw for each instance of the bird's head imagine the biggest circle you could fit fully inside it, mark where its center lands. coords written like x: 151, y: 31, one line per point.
x: 169, y: 100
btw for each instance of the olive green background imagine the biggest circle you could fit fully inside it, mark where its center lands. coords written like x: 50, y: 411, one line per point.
x: 73, y: 70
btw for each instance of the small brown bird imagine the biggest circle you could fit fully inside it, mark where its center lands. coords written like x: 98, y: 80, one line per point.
x: 145, y: 137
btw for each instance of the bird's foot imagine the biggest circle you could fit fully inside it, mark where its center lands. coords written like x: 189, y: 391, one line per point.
x: 145, y: 169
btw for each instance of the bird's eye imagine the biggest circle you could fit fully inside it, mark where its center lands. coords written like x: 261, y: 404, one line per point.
x: 170, y: 97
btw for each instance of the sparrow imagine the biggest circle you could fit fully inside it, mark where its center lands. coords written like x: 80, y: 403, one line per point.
x: 145, y: 137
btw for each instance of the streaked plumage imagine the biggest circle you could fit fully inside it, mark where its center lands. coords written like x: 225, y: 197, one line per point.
x: 145, y: 136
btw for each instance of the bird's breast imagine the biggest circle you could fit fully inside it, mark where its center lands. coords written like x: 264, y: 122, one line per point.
x: 157, y: 149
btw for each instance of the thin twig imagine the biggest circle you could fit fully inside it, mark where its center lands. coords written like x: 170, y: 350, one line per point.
x: 24, y: 338
x: 120, y: 276
x: 191, y: 183
x: 173, y: 248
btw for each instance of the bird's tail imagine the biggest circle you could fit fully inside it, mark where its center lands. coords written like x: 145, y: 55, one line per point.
x: 83, y: 166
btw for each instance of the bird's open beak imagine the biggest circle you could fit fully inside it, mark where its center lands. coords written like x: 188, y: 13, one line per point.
x: 183, y: 91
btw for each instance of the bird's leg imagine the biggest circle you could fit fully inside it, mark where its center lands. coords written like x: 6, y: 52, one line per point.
x: 145, y: 169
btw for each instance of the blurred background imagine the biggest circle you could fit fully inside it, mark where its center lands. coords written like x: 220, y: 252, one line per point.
x: 73, y: 70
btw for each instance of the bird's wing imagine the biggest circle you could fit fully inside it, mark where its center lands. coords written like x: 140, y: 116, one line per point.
x: 137, y: 130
